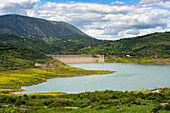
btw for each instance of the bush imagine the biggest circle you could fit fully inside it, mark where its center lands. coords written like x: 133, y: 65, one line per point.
x: 155, y: 110
x: 131, y: 98
x: 167, y: 107
x: 94, y: 99
x: 33, y: 96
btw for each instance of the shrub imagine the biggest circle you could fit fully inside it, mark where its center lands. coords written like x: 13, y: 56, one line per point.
x: 155, y: 110
x: 167, y: 107
x: 131, y: 98
x: 94, y: 99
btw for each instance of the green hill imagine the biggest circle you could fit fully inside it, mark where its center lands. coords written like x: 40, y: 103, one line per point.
x: 11, y: 57
x: 62, y: 45
x: 152, y: 45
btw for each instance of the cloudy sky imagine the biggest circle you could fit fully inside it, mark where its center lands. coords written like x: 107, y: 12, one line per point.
x: 102, y: 19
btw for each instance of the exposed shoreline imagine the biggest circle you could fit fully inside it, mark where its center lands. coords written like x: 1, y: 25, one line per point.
x: 156, y: 63
x: 139, y: 60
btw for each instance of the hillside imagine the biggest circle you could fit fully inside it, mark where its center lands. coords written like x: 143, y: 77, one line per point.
x: 153, y: 45
x: 11, y: 57
x: 34, y: 27
x: 60, y: 45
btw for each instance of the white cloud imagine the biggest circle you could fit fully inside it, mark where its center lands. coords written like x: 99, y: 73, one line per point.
x: 159, y: 3
x: 103, y: 21
x: 16, y: 6
x: 117, y: 3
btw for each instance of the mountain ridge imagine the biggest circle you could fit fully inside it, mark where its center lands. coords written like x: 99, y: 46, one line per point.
x: 36, y: 27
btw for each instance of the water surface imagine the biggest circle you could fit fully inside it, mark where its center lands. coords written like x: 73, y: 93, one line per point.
x: 129, y: 77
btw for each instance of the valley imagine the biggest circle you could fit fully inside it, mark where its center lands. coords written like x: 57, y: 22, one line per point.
x: 119, y: 85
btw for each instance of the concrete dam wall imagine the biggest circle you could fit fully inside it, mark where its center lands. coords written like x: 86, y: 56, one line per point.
x: 78, y: 58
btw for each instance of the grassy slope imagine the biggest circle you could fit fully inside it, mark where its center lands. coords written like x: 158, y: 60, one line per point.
x: 152, y: 45
x: 62, y: 45
x: 89, y: 102
x: 17, y: 68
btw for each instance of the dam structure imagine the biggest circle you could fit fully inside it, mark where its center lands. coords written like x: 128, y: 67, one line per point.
x: 79, y: 58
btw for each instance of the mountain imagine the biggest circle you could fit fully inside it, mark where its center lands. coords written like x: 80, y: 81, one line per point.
x: 151, y: 45
x: 41, y: 35
x: 35, y: 27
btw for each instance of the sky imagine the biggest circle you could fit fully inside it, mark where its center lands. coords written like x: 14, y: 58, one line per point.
x: 101, y: 19
x: 96, y: 1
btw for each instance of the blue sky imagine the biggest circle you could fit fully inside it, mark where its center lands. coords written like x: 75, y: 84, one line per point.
x: 110, y: 20
x: 99, y: 1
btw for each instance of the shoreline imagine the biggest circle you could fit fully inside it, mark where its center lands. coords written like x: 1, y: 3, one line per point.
x: 80, y: 75
x: 156, y: 90
x: 139, y: 60
x: 59, y: 76
x: 139, y: 63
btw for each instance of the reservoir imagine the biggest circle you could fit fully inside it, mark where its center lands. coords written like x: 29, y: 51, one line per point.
x: 128, y: 77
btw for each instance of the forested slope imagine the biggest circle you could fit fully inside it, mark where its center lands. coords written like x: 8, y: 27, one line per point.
x: 152, y: 45
x: 64, y: 45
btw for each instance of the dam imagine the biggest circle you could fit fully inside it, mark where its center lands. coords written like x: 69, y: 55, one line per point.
x: 79, y: 58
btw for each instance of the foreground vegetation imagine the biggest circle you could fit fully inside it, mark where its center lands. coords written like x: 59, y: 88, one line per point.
x: 91, y: 102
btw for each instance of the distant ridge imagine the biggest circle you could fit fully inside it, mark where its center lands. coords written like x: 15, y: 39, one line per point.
x: 154, y: 45
x: 35, y: 27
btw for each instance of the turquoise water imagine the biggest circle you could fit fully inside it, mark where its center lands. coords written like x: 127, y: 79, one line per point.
x: 128, y: 76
